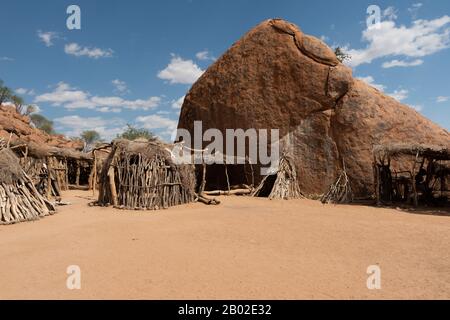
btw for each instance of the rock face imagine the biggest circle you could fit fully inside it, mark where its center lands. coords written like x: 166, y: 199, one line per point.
x: 276, y: 77
x: 20, y: 129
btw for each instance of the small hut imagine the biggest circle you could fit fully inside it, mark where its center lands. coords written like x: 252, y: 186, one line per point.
x: 141, y: 175
x: 283, y: 184
x: 54, y: 169
x: 411, y: 173
x: 19, y: 198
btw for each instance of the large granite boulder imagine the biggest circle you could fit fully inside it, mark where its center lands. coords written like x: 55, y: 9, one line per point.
x: 276, y: 77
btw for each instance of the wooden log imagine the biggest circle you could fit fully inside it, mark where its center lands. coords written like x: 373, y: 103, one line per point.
x: 112, y: 186
x: 236, y: 192
x: 207, y: 201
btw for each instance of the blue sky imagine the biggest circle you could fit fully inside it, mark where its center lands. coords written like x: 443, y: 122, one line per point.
x: 132, y: 61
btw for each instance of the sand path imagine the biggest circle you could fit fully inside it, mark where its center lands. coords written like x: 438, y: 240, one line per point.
x: 243, y: 249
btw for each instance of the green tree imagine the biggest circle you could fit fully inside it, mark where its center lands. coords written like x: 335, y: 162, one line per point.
x: 42, y: 123
x: 133, y: 133
x: 5, y: 93
x: 90, y: 136
x: 18, y: 103
x: 342, y: 55
x: 30, y: 109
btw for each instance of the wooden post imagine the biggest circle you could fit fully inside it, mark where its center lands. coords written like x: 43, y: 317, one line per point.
x: 413, y: 178
x: 66, y: 175
x: 94, y: 183
x: 202, y: 186
x: 228, y: 179
x: 112, y: 186
x: 251, y: 169
x: 77, y: 179
x: 49, y: 179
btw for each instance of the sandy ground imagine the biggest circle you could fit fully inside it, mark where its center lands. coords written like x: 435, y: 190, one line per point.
x: 243, y: 249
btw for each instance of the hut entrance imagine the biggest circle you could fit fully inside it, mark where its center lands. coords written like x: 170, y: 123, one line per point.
x: 224, y: 177
x: 267, y: 186
x: 78, y: 172
x: 281, y: 185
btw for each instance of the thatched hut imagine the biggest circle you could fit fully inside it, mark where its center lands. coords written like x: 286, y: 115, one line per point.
x: 19, y: 198
x: 411, y: 173
x: 60, y: 168
x: 141, y: 175
x: 282, y: 184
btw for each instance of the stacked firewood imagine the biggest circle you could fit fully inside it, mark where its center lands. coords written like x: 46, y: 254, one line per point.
x: 19, y: 199
x: 340, y: 191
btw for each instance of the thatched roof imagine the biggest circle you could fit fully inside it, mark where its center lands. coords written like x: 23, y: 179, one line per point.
x: 41, y: 151
x: 147, y: 149
x: 392, y: 150
x: 10, y: 169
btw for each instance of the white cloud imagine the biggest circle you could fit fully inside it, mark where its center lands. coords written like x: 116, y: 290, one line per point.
x: 23, y: 91
x: 47, y: 37
x: 177, y: 104
x: 120, y: 86
x: 63, y: 93
x: 157, y: 122
x: 399, y: 95
x: 417, y: 107
x: 6, y: 59
x: 402, y: 63
x: 181, y: 71
x: 37, y: 109
x: 324, y: 38
x: 422, y: 38
x: 118, y: 102
x: 72, y: 98
x: 204, y: 55
x: 73, y: 126
x: 442, y: 99
x: 390, y: 13
x: 76, y: 50
x: 371, y: 81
